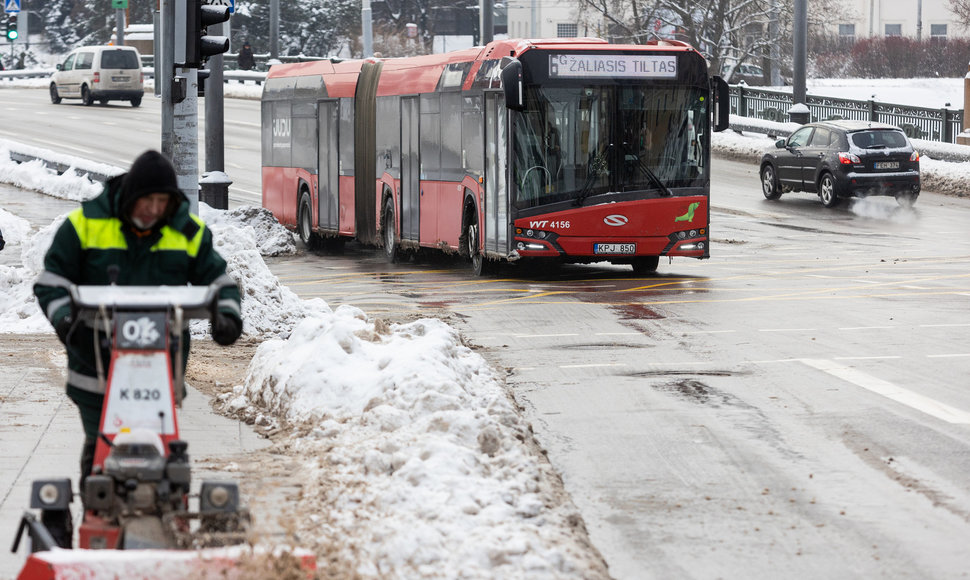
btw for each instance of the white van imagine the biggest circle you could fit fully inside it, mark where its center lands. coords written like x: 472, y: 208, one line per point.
x: 99, y: 73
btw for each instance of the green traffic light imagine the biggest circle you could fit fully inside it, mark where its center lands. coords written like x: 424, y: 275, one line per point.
x: 12, y: 34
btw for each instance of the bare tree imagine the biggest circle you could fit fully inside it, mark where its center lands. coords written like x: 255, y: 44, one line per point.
x: 960, y: 10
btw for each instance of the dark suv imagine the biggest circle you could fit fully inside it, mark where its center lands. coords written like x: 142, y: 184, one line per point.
x: 838, y: 159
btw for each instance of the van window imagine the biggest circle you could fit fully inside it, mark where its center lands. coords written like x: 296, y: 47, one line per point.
x: 119, y: 59
x: 84, y: 60
x: 69, y: 63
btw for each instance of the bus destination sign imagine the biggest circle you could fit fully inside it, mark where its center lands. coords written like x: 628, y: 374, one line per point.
x: 612, y: 65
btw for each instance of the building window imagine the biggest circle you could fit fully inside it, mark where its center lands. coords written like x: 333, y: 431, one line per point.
x: 938, y: 31
x: 894, y: 30
x: 847, y: 33
x: 567, y: 30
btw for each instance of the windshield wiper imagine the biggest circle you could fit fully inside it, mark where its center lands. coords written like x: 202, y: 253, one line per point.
x: 596, y: 164
x: 664, y: 190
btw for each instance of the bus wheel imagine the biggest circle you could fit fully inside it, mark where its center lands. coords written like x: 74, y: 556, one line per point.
x: 306, y: 223
x: 645, y: 265
x: 478, y: 260
x: 390, y: 241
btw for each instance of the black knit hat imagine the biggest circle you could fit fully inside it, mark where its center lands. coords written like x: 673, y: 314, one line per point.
x: 151, y: 173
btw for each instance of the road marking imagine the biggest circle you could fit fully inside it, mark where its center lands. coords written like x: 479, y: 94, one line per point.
x: 785, y: 329
x: 865, y: 357
x: 876, y: 385
x: 618, y: 333
x: 865, y: 327
x: 543, y: 335
x: 942, y: 325
x: 947, y: 355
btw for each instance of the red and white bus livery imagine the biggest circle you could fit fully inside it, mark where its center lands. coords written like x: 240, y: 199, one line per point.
x: 572, y: 150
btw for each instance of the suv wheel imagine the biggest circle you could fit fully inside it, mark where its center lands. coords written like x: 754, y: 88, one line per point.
x: 826, y: 191
x: 86, y: 96
x: 55, y: 98
x: 769, y: 182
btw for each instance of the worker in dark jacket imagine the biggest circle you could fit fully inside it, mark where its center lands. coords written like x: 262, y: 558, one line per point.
x: 137, y: 232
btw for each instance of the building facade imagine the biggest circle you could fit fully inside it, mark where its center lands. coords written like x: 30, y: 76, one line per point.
x: 911, y: 18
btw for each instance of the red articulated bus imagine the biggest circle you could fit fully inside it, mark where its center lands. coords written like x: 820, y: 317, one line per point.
x: 573, y: 150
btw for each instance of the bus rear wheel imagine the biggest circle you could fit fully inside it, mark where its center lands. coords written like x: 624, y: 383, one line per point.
x: 479, y: 262
x: 645, y: 265
x: 305, y: 223
x: 390, y: 234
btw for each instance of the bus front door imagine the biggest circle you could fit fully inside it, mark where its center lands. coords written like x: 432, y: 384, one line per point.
x: 327, y: 127
x: 496, y: 211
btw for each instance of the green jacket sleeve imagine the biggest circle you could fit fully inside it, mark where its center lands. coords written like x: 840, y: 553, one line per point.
x: 62, y: 267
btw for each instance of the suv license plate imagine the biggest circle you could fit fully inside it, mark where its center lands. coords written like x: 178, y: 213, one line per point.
x: 614, y: 248
x: 886, y: 165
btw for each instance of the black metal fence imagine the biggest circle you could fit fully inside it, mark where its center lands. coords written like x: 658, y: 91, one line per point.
x: 918, y: 122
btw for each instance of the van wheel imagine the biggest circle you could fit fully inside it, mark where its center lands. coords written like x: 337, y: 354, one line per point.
x: 136, y: 101
x: 390, y: 243
x: 103, y: 102
x: 86, y: 96
x: 55, y: 98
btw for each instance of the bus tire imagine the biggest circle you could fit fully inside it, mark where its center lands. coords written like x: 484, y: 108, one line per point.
x: 305, y: 223
x: 390, y: 233
x: 645, y: 265
x: 479, y: 262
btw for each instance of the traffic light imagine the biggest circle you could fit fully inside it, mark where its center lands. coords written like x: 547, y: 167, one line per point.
x: 12, y: 28
x: 198, y: 44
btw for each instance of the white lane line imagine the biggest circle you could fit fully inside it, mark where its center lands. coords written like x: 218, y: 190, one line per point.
x: 587, y: 366
x: 947, y: 355
x: 543, y: 335
x: 942, y: 325
x: 876, y: 385
x: 619, y: 333
x: 865, y: 357
x: 865, y: 327
x: 785, y: 329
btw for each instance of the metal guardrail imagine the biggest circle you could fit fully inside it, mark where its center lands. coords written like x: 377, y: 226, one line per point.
x: 241, y: 76
x: 918, y: 122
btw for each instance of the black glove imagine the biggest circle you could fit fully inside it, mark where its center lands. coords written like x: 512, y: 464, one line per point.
x: 63, y: 328
x: 226, y: 329
x: 2, y: 243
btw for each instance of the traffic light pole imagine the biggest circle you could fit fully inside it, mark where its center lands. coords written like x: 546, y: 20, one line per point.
x: 185, y: 145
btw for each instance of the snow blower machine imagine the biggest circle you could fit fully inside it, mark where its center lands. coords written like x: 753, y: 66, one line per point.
x: 137, y: 522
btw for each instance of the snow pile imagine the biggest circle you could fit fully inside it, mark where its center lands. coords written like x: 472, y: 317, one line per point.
x: 418, y: 452
x: 35, y: 176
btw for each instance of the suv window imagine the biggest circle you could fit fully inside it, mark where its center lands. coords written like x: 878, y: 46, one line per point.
x: 119, y: 59
x: 879, y: 139
x: 800, y: 137
x: 84, y: 60
x: 821, y: 138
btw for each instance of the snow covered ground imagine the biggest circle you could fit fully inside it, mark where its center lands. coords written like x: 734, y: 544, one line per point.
x: 424, y: 462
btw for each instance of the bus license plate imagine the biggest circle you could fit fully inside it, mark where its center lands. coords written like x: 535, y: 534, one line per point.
x: 886, y: 165
x: 614, y: 248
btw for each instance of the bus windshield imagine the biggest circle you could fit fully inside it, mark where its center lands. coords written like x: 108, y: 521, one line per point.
x: 574, y: 142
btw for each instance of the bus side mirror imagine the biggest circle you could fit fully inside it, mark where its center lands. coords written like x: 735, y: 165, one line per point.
x: 512, y: 84
x: 722, y: 103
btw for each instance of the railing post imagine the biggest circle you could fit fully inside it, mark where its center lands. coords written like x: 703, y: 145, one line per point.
x: 872, y: 111
x: 742, y: 102
x: 947, y: 132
